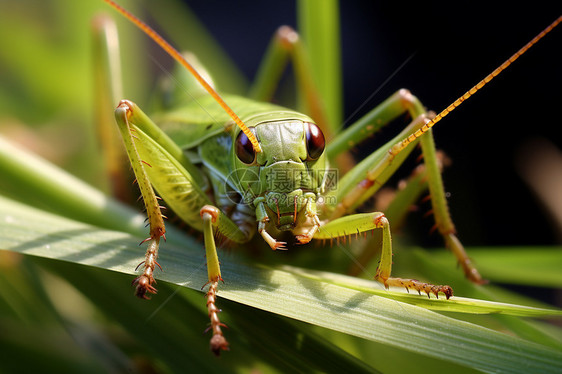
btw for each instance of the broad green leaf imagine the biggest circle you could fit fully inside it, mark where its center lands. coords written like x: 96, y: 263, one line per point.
x: 455, y: 304
x: 336, y: 307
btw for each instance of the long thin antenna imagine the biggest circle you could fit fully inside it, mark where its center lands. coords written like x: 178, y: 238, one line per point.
x: 404, y: 143
x: 179, y: 58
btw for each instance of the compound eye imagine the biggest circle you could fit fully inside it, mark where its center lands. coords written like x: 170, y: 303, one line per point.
x: 315, y: 141
x: 244, y: 148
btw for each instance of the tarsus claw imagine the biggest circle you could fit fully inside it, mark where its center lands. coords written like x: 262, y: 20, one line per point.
x: 218, y: 343
x: 144, y: 287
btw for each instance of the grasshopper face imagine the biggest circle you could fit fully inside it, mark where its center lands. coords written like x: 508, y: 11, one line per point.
x: 287, y: 176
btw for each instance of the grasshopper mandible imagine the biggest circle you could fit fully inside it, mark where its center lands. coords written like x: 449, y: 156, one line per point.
x: 273, y: 175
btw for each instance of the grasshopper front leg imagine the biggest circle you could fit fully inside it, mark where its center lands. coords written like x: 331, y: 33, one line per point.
x: 358, y: 223
x: 144, y: 283
x: 158, y: 162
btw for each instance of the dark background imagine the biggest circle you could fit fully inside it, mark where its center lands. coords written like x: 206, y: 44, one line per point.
x: 453, y: 47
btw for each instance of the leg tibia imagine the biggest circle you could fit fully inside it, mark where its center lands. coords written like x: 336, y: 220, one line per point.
x: 443, y: 220
x: 385, y: 267
x: 210, y: 214
x: 396, y: 105
x: 370, y: 174
x: 454, y: 244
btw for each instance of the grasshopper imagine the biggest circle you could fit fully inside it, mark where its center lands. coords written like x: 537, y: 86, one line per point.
x: 251, y: 168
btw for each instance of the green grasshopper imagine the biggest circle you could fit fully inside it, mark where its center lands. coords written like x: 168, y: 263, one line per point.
x: 251, y: 168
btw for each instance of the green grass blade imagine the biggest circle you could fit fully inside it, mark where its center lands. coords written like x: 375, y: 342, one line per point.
x: 455, y: 304
x: 319, y: 26
x: 30, y: 178
x: 380, y: 319
x: 170, y: 328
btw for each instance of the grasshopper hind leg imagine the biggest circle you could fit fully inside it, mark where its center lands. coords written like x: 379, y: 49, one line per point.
x: 440, y: 208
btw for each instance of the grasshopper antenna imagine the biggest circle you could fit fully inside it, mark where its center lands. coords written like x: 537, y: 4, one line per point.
x: 404, y: 143
x: 179, y: 58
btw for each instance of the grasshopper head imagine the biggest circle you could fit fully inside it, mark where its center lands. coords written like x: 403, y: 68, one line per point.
x: 287, y: 175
